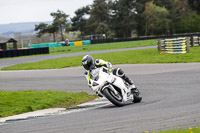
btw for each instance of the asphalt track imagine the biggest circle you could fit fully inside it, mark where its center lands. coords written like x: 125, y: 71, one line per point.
x: 170, y: 100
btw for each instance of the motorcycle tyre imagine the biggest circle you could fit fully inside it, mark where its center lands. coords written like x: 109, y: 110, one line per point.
x: 137, y: 97
x: 111, y: 98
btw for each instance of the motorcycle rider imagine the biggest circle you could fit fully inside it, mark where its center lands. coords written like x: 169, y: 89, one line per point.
x: 89, y: 63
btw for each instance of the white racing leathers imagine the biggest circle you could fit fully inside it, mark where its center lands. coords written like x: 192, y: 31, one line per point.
x: 104, y: 83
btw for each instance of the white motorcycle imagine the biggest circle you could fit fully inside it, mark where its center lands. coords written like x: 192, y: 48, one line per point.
x: 114, y: 88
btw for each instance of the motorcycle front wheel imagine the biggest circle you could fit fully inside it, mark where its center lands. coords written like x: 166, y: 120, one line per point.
x: 137, y: 96
x: 117, y: 100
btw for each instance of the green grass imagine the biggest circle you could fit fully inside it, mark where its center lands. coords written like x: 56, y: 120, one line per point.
x: 12, y: 103
x: 125, y: 57
x: 189, y: 130
x: 104, y: 46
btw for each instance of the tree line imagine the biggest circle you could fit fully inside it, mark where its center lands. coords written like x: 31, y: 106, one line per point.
x: 127, y: 18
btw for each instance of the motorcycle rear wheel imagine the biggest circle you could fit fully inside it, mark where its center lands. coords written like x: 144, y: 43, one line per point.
x: 115, y: 99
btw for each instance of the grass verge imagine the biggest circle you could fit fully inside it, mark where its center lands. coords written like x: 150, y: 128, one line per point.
x: 12, y: 103
x: 125, y: 57
x: 189, y: 130
x: 104, y: 46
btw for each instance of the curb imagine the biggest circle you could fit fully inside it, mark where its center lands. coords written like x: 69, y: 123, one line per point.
x: 56, y: 111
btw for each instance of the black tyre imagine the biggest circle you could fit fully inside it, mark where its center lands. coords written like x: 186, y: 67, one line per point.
x: 137, y: 96
x: 112, y: 97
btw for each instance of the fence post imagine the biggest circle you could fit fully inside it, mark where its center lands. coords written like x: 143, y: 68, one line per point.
x: 199, y: 40
x: 188, y: 44
x: 192, y: 41
x: 159, y: 45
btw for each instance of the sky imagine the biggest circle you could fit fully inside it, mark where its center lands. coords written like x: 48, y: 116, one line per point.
x: 15, y: 11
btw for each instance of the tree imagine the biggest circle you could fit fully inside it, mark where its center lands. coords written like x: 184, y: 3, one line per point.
x: 41, y: 28
x: 59, y: 24
x: 149, y: 18
x: 60, y: 21
x: 168, y: 4
x: 52, y: 29
x: 195, y: 5
x: 99, y: 16
x: 123, y: 17
x: 181, y: 7
x: 140, y: 7
x: 80, y: 20
x: 188, y: 23
x: 179, y: 10
x: 155, y: 19
x: 162, y: 21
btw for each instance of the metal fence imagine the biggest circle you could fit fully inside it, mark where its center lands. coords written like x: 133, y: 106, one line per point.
x: 111, y: 40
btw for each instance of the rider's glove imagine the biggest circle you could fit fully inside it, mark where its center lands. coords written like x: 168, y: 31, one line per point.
x: 86, y: 73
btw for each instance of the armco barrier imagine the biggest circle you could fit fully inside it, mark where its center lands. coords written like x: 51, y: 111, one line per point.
x: 78, y: 43
x: 176, y: 45
x: 23, y: 52
x: 71, y: 43
x: 46, y: 45
x: 111, y: 40
x: 86, y: 42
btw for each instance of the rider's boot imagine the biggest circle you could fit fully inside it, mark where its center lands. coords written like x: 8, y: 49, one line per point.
x: 130, y: 82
